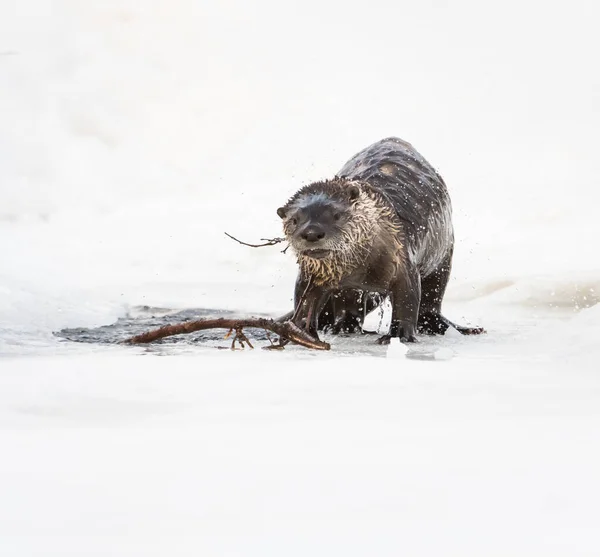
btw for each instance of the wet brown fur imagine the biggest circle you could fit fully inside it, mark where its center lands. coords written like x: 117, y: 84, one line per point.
x: 371, y: 224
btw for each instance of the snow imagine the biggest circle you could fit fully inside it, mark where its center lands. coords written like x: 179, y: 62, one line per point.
x: 238, y: 453
x: 133, y: 137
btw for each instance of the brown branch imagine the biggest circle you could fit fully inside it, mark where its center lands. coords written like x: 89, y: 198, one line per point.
x: 268, y: 241
x: 287, y: 330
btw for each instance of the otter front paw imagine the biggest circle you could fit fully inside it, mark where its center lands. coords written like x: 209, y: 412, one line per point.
x: 404, y: 330
x: 385, y: 339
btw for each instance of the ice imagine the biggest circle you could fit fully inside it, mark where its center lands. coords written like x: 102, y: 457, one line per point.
x: 134, y: 135
x: 396, y: 349
x: 443, y: 354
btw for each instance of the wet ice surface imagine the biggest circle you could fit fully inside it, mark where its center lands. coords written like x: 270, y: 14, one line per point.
x: 163, y: 449
x: 510, y: 341
x: 179, y: 448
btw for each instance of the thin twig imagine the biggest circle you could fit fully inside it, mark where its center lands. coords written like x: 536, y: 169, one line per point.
x: 268, y: 241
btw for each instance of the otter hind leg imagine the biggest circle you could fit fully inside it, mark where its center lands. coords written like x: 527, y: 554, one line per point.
x: 433, y: 288
x: 431, y: 324
x: 461, y: 328
x: 431, y: 321
x: 437, y: 324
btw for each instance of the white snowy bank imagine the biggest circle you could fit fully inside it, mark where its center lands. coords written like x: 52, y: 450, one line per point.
x: 133, y: 135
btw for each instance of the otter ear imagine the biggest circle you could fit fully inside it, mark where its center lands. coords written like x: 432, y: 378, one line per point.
x: 281, y: 212
x: 353, y: 192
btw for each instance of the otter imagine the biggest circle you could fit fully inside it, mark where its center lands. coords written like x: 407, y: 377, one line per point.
x: 381, y: 227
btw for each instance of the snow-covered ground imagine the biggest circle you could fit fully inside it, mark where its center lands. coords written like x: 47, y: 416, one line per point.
x: 133, y: 135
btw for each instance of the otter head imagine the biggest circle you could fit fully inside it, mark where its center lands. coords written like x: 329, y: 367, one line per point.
x: 316, y: 219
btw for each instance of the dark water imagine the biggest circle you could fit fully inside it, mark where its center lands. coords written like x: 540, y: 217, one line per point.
x: 143, y: 319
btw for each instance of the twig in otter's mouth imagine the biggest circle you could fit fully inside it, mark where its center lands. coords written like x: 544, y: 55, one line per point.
x: 286, y: 330
x: 268, y: 241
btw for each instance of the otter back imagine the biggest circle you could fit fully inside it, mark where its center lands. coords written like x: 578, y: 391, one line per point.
x: 416, y: 192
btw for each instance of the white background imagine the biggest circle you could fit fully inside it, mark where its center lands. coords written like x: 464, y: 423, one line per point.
x: 133, y: 134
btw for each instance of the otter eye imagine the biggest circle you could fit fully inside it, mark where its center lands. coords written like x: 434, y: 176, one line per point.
x: 337, y: 216
x: 294, y: 221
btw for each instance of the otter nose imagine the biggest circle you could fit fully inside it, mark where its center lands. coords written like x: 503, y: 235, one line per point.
x: 313, y: 233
